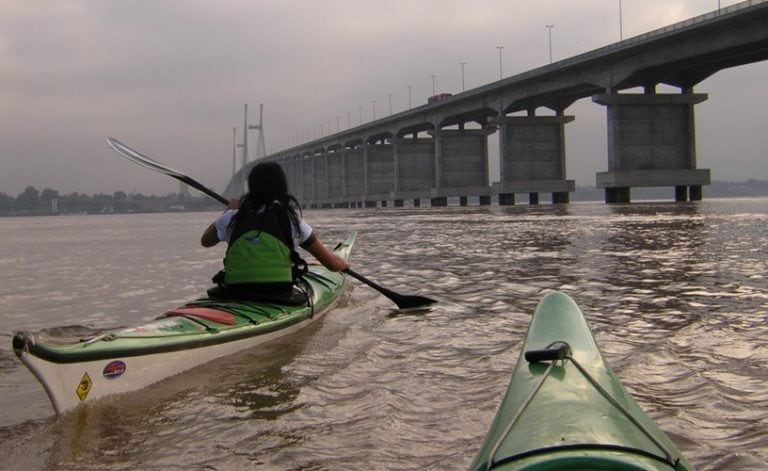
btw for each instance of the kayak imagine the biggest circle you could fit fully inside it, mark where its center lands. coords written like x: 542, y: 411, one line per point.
x: 565, y: 409
x: 128, y: 359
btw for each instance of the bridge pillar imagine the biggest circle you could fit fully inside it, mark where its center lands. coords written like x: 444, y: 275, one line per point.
x: 307, y: 180
x: 336, y: 180
x: 651, y: 142
x: 461, y: 164
x: 416, y: 167
x: 506, y: 199
x: 380, y: 171
x: 320, y: 175
x: 533, y: 158
x: 354, y: 173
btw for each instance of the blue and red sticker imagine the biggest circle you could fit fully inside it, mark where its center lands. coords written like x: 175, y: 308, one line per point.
x: 114, y: 369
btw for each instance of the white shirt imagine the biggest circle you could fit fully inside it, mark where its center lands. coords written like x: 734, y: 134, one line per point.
x: 223, y: 230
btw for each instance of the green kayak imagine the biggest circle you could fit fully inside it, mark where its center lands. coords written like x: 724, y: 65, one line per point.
x: 78, y: 371
x: 565, y: 408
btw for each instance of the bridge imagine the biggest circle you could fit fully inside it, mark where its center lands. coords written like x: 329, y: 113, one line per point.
x: 439, y: 150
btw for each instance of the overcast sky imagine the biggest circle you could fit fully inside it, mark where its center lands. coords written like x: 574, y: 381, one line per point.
x: 170, y: 78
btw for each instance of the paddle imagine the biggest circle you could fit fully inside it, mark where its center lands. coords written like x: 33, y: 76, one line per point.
x: 402, y: 301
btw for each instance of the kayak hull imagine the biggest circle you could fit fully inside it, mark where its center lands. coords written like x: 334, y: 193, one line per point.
x: 133, y: 358
x: 572, y: 412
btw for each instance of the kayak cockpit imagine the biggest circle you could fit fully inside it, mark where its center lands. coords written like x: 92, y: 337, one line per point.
x: 584, y: 457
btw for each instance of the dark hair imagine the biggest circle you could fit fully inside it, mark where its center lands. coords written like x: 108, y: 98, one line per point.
x: 266, y: 185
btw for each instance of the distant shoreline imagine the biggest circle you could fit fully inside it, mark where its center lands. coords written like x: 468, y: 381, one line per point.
x: 140, y: 204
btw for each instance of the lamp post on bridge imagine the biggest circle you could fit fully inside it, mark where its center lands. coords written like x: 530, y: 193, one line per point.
x: 389, y: 95
x: 409, y: 96
x: 373, y: 108
x: 234, y: 151
x: 549, y: 27
x: 433, y: 83
x: 621, y: 31
x: 500, y: 48
x: 462, y: 64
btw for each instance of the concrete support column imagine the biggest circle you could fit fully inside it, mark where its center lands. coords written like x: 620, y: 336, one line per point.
x: 438, y: 157
x: 336, y: 178
x: 320, y: 175
x: 365, y: 170
x: 461, y: 164
x: 651, y: 142
x: 695, y: 192
x: 532, y: 156
x: 681, y: 193
x: 354, y: 173
x: 617, y: 195
x: 506, y: 199
x: 308, y: 180
x: 380, y: 169
x: 396, y: 164
x: 415, y: 166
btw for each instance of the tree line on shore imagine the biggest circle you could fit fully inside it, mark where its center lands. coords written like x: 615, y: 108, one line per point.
x: 35, y: 202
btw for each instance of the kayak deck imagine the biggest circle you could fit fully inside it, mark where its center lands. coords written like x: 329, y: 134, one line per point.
x: 565, y: 408
x: 218, y: 321
x: 200, y: 331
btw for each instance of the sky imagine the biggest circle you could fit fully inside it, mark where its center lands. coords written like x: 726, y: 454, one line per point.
x: 170, y: 78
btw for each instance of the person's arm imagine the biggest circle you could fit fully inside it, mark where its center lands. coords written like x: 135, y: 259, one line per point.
x: 325, y: 256
x: 211, y: 237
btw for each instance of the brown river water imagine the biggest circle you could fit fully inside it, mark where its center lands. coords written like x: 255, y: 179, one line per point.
x: 676, y: 295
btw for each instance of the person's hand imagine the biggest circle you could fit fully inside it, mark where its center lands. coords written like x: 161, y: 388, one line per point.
x: 234, y: 203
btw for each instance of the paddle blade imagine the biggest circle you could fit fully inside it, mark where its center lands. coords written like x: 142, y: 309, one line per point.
x: 402, y: 301
x: 141, y: 159
x: 413, y: 302
x: 146, y: 162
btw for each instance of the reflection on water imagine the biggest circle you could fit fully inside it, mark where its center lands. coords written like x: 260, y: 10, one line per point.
x: 676, y: 294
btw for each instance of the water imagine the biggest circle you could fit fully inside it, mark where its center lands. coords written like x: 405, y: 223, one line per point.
x: 676, y: 294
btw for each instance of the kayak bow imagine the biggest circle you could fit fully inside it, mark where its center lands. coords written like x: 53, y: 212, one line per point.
x: 132, y: 358
x: 565, y: 409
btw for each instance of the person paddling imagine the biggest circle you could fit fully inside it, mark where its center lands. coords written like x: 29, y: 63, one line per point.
x: 262, y: 230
